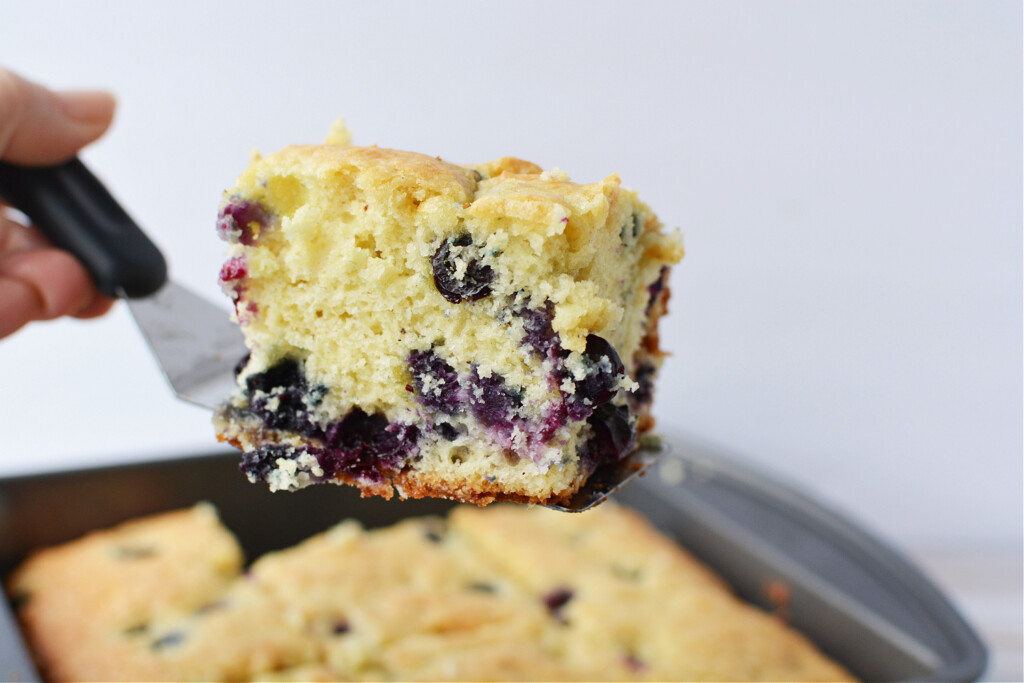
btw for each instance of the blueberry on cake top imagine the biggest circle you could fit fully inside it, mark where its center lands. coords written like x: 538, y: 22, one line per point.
x: 480, y: 333
x: 507, y: 592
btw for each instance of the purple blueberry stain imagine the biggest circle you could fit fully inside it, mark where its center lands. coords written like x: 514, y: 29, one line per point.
x: 492, y: 401
x: 243, y: 221
x: 458, y: 274
x: 537, y: 331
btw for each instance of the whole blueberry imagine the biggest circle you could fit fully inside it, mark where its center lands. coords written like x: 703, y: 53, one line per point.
x: 614, y: 434
x: 598, y: 386
x: 475, y: 280
x: 281, y: 396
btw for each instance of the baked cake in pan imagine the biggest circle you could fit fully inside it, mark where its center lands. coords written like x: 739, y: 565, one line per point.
x: 497, y: 593
x: 480, y: 333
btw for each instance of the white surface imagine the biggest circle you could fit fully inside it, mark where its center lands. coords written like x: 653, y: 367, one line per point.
x: 847, y: 175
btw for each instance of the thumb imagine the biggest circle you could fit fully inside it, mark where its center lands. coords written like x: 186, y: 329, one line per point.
x: 38, y: 126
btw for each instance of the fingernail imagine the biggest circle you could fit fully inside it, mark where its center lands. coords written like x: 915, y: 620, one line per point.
x: 87, y: 106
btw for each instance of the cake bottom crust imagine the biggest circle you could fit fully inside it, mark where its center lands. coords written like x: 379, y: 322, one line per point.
x: 408, y: 482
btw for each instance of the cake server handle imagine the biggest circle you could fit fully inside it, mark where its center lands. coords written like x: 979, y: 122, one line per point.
x: 78, y: 214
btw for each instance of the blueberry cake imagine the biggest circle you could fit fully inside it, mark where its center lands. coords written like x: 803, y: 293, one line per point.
x: 479, y: 333
x: 497, y: 593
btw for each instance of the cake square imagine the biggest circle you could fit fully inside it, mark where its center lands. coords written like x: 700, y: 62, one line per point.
x: 481, y: 333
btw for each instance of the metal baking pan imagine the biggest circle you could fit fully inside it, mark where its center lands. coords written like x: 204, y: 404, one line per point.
x: 860, y: 601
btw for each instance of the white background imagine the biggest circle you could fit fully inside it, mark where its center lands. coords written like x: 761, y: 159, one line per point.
x: 847, y: 176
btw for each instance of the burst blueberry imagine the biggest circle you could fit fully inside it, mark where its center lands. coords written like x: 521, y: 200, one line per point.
x: 243, y: 221
x: 435, y: 381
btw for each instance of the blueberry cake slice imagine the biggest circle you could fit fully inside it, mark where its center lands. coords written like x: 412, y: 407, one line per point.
x: 479, y: 333
x: 507, y: 592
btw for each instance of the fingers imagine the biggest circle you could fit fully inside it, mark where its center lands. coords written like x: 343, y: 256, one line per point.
x: 43, y: 284
x: 38, y: 126
x: 17, y: 237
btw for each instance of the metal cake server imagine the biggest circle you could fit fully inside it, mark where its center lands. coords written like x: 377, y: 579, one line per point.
x: 194, y: 341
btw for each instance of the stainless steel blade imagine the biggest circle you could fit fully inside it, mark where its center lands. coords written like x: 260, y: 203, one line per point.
x: 610, y: 477
x: 195, y: 342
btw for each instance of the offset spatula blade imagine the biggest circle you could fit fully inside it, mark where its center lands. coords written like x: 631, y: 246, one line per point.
x: 195, y: 342
x: 610, y: 477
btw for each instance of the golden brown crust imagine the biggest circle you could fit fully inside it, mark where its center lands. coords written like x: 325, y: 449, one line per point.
x: 416, y: 485
x: 416, y: 174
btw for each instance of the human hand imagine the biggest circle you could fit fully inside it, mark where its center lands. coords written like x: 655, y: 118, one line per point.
x: 40, y: 127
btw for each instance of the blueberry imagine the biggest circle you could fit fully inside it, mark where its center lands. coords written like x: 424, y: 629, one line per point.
x: 169, y: 640
x: 282, y: 397
x: 473, y: 283
x: 240, y: 365
x: 447, y: 431
x: 435, y: 382
x: 258, y: 464
x: 614, y: 435
x: 340, y: 627
x: 556, y: 600
x: 598, y: 386
x: 644, y: 377
x: 237, y: 218
x: 365, y: 445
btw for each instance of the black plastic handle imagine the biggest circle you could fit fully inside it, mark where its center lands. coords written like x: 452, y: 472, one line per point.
x: 77, y: 213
